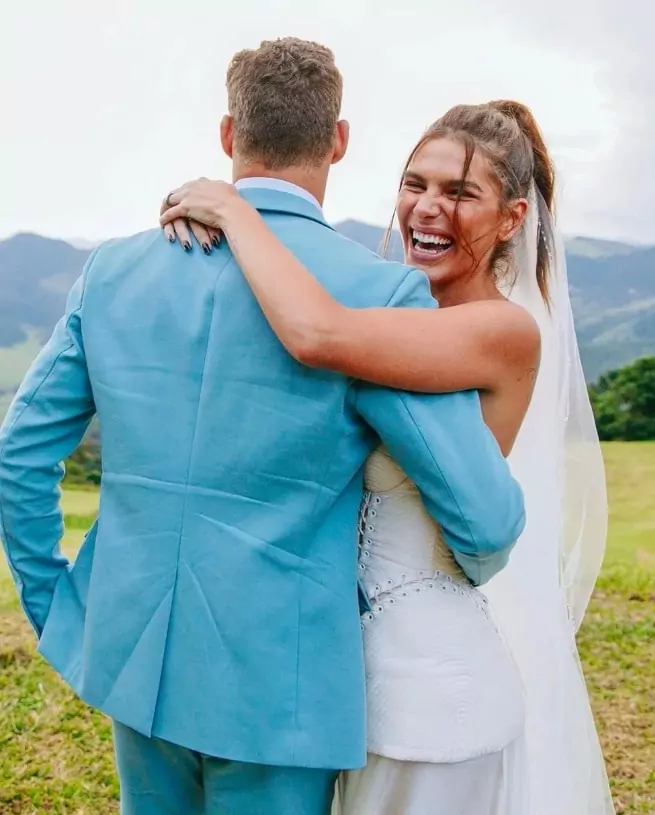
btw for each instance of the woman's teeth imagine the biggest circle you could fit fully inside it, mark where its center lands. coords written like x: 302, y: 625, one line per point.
x: 430, y: 243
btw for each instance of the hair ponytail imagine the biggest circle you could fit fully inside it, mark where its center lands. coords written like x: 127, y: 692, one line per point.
x: 543, y: 175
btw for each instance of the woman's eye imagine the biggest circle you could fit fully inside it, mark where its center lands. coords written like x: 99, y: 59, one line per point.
x: 463, y: 195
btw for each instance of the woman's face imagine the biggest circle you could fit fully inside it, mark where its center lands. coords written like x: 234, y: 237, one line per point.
x: 426, y: 213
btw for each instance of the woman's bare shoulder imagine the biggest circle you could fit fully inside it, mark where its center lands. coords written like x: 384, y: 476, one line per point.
x: 514, y: 334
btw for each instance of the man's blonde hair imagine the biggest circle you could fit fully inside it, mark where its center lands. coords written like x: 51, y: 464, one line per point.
x: 285, y: 99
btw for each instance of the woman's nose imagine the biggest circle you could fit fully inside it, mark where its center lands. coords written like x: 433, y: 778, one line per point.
x: 428, y: 206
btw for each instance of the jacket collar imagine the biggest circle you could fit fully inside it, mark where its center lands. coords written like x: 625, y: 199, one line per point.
x: 269, y: 200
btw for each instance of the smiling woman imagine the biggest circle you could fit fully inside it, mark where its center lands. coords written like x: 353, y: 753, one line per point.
x: 463, y: 198
x: 449, y: 221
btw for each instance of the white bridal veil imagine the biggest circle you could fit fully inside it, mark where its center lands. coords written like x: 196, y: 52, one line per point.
x: 539, y: 600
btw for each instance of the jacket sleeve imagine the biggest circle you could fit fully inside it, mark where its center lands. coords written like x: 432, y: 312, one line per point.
x: 45, y: 423
x: 444, y: 446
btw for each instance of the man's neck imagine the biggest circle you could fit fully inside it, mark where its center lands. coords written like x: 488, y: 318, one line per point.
x: 314, y: 182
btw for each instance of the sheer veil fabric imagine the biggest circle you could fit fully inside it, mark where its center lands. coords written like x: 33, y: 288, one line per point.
x: 540, y: 599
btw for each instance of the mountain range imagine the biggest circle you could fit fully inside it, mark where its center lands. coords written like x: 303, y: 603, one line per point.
x: 612, y: 290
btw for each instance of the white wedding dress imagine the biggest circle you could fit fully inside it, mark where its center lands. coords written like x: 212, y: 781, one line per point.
x: 445, y: 700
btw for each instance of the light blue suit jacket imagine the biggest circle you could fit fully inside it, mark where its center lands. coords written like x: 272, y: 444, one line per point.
x: 214, y: 602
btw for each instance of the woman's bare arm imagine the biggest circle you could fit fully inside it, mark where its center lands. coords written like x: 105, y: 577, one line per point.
x: 472, y: 346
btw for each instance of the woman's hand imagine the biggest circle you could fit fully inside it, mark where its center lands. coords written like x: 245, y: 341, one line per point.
x: 201, y: 208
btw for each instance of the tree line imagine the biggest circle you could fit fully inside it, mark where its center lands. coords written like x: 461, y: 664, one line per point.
x: 623, y: 402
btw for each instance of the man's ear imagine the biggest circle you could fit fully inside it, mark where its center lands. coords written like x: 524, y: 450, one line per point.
x: 227, y: 135
x: 341, y: 139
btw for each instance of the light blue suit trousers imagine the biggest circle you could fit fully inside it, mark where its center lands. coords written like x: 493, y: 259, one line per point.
x: 160, y: 778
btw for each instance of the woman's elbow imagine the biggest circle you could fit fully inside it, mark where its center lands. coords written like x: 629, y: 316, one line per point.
x: 313, y: 344
x: 310, y: 348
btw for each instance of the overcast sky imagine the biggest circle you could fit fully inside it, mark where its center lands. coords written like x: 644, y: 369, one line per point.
x: 106, y: 106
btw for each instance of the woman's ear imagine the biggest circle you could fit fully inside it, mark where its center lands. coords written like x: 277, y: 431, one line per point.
x: 513, y: 219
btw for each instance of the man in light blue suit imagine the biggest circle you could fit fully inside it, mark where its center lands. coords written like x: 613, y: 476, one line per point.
x: 212, y: 611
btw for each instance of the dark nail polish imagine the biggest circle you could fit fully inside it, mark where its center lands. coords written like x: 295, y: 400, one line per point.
x: 206, y: 248
x: 216, y: 240
x: 171, y: 238
x: 187, y: 246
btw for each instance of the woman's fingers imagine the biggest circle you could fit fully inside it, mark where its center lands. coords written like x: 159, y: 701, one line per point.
x: 173, y: 213
x: 181, y: 228
x: 169, y: 231
x: 214, y: 235
x: 201, y: 234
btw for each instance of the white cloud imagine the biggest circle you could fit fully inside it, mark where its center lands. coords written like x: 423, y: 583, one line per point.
x: 105, y: 107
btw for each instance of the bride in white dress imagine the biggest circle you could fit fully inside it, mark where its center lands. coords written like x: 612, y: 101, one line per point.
x: 476, y: 701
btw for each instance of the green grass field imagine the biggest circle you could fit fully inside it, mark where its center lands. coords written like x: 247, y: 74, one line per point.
x: 55, y: 754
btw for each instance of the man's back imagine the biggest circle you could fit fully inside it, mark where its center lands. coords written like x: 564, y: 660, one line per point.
x: 225, y: 553
x: 214, y: 603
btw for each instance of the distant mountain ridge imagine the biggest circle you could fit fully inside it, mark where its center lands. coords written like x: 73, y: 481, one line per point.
x: 612, y: 290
